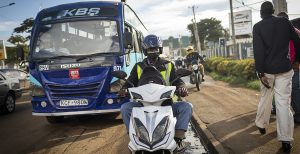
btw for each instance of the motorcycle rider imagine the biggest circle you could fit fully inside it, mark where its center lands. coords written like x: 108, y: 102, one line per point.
x: 194, y: 57
x: 152, y: 46
x: 179, y: 63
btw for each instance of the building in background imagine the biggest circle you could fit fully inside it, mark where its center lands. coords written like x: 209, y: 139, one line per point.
x: 3, y: 54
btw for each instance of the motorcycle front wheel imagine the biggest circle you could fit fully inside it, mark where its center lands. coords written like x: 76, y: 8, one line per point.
x: 197, y: 78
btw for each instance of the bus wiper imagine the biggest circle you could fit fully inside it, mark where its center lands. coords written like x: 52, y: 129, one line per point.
x: 98, y: 54
x: 42, y: 60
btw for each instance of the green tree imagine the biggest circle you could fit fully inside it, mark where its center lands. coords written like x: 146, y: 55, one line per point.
x: 209, y: 29
x: 172, y: 42
x: 19, y: 40
x: 25, y: 27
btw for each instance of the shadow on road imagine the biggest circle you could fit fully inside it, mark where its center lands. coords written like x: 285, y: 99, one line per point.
x: 21, y: 132
x: 240, y: 132
x: 77, y: 129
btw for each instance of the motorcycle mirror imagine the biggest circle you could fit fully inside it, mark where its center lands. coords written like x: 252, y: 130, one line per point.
x: 181, y: 72
x: 119, y: 74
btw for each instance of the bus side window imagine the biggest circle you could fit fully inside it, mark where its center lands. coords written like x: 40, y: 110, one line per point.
x: 136, y: 43
x: 127, y: 51
x: 140, y: 41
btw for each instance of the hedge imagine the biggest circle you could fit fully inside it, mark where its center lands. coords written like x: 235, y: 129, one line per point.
x: 235, y: 68
x: 237, y: 72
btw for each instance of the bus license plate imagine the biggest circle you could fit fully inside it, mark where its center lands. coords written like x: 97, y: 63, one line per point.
x: 77, y: 102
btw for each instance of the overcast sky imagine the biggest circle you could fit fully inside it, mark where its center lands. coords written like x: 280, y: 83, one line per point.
x: 162, y: 17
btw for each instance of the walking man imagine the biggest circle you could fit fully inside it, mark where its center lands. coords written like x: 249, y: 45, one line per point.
x: 271, y: 38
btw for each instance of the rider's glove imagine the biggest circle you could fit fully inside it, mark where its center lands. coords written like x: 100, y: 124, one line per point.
x: 122, y: 92
x: 182, y: 91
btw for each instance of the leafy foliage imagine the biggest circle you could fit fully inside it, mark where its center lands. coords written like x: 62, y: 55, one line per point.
x: 236, y: 72
x: 209, y: 29
x: 25, y: 27
x: 17, y: 39
x: 173, y: 42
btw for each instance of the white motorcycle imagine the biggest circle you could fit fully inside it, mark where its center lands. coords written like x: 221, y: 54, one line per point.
x: 152, y: 127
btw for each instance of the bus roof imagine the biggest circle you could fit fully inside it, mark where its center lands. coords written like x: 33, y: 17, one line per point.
x: 88, y: 4
x: 109, y: 8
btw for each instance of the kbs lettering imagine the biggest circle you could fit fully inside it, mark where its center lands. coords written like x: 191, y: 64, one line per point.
x: 81, y: 12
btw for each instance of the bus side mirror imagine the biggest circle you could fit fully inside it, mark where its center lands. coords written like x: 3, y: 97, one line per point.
x: 128, y: 40
x: 24, y: 63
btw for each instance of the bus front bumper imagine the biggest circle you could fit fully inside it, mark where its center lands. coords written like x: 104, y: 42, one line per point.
x: 77, y: 112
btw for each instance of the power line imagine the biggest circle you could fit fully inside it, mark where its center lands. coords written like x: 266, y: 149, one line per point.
x: 247, y: 5
x: 256, y: 3
x: 243, y: 5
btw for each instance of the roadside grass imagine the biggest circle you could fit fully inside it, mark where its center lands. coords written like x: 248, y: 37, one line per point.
x: 236, y: 81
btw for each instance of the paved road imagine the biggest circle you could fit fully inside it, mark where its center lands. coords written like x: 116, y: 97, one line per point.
x: 20, y: 132
x: 229, y: 114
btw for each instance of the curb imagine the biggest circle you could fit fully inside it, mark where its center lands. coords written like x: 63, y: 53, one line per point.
x: 211, y: 144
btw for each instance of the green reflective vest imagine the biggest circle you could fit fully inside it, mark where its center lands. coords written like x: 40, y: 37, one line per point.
x: 165, y: 74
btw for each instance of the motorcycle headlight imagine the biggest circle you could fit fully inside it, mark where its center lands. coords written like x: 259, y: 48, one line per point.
x: 160, y: 130
x: 141, y: 131
x: 136, y: 96
x: 195, y: 67
x: 166, y: 94
x: 37, y: 91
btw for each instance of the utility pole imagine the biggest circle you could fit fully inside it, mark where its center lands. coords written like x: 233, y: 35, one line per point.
x: 280, y: 6
x: 233, y: 31
x: 196, y: 31
x: 180, y: 54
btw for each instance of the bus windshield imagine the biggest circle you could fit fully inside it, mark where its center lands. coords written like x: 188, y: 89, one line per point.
x: 77, y: 39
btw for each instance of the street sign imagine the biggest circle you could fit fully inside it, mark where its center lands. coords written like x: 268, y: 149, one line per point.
x: 242, y: 23
x: 2, y: 50
x: 222, y: 41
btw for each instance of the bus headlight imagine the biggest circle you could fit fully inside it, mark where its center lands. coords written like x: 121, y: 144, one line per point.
x: 37, y: 91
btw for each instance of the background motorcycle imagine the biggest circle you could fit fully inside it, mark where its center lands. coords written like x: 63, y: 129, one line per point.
x: 196, y: 77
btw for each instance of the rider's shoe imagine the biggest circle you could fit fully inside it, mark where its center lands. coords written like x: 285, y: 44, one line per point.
x: 181, y: 145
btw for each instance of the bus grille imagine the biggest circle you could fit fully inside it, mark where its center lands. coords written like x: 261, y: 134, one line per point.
x: 62, y: 91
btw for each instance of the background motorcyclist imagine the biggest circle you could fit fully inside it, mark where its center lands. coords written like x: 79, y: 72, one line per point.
x: 152, y: 46
x: 179, y: 62
x: 194, y: 57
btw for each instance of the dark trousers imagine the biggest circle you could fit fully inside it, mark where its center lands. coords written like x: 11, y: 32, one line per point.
x: 295, y: 100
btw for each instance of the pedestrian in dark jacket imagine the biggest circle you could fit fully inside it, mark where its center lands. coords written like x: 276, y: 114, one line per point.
x: 295, y: 97
x: 271, y: 38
